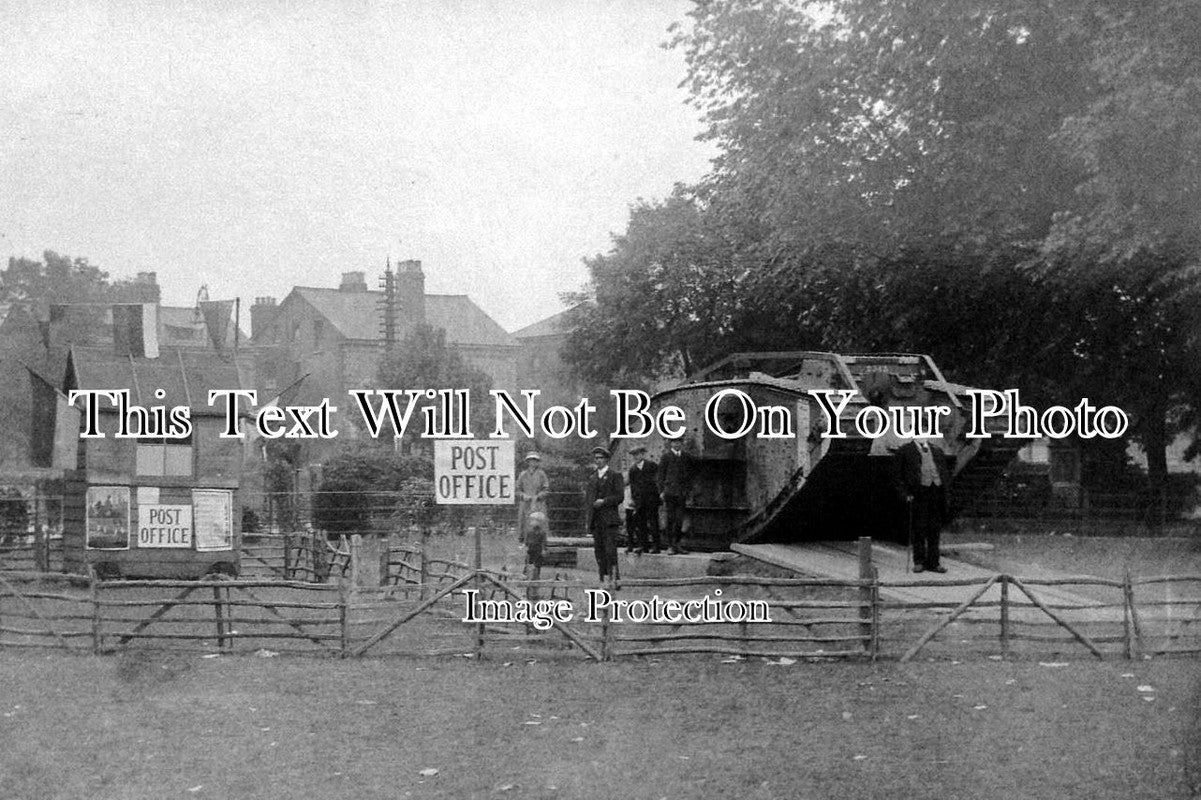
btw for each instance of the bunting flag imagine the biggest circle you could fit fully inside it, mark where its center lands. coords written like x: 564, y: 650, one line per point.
x: 217, y: 316
x: 135, y: 329
x: 54, y: 440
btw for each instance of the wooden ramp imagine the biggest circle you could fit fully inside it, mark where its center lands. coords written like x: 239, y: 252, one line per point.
x: 840, y: 560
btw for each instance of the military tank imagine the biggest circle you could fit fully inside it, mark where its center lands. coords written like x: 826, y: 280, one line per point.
x: 808, y: 487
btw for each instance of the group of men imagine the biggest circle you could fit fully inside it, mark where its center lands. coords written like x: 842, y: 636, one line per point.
x: 652, y: 485
x: 920, y: 476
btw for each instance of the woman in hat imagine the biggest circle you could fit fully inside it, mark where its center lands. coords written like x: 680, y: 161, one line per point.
x: 532, y: 488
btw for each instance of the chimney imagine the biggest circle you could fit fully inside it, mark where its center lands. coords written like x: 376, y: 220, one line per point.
x: 146, y: 288
x: 353, y: 282
x: 262, y: 314
x: 410, y: 292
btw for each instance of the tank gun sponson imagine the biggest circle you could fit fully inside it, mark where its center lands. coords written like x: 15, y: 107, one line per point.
x: 806, y: 486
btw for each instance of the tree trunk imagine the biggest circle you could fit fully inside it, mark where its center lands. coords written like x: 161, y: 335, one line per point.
x: 1155, y: 442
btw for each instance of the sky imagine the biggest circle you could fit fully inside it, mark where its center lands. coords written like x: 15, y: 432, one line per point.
x: 256, y: 146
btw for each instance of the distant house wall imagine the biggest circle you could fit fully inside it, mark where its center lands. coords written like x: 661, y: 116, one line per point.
x: 500, y: 363
x: 335, y: 337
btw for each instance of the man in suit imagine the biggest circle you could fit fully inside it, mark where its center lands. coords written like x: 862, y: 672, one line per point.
x: 604, y: 493
x: 675, y: 479
x: 643, y: 519
x: 922, y: 477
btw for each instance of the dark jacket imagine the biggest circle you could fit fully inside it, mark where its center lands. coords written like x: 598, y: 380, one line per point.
x: 644, y: 486
x: 907, y: 467
x: 675, y: 474
x: 611, y: 491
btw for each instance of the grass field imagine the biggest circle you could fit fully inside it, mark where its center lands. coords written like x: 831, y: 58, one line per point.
x: 1103, y: 557
x: 154, y: 725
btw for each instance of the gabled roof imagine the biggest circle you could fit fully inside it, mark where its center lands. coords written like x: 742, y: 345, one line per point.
x: 187, y: 327
x: 185, y: 375
x: 554, y: 325
x: 356, y: 315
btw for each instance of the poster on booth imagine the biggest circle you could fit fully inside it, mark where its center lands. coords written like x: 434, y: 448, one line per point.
x: 161, y: 525
x: 214, y: 519
x: 108, y: 518
x: 474, y: 472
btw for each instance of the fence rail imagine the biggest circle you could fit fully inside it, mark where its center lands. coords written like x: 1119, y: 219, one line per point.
x: 423, y: 610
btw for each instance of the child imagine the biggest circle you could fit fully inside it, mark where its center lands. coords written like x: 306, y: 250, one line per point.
x: 535, y: 541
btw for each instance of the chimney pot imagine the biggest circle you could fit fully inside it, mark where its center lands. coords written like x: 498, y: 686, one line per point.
x: 353, y: 282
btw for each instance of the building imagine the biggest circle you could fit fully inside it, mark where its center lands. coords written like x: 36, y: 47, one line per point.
x: 149, y: 504
x: 540, y: 365
x: 337, y: 336
x: 540, y: 362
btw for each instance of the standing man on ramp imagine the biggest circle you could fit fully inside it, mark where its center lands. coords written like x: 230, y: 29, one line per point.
x: 643, y: 520
x: 675, y: 479
x: 922, y: 477
x: 603, y: 494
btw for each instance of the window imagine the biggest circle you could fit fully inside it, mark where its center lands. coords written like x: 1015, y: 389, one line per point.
x: 318, y: 332
x: 158, y: 457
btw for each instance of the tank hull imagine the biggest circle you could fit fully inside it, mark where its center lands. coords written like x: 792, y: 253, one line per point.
x: 799, y: 484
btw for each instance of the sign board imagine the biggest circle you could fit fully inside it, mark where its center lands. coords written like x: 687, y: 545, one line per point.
x: 162, y: 525
x: 214, y: 519
x: 477, y: 472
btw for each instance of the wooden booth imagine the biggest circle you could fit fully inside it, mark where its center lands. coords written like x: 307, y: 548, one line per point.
x: 152, y: 506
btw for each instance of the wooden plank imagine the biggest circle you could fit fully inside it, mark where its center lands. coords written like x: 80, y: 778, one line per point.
x: 1084, y: 640
x: 564, y: 629
x: 930, y: 634
x: 287, y: 620
x: 163, y: 609
x: 365, y: 646
x: 33, y: 610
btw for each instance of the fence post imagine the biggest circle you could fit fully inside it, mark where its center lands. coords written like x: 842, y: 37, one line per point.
x: 1130, y: 618
x: 385, y: 560
x: 606, y: 635
x: 344, y: 618
x: 424, y: 575
x: 94, y: 591
x: 865, y: 591
x: 219, y: 617
x: 743, y: 630
x: 289, y: 559
x: 41, y: 546
x: 875, y: 612
x: 1004, y: 616
x: 479, y: 585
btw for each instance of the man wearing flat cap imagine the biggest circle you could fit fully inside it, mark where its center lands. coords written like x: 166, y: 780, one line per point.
x: 532, y: 488
x: 643, y: 520
x: 675, y: 481
x: 604, y: 493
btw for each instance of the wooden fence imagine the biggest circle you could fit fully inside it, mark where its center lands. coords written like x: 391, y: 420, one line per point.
x: 424, y: 611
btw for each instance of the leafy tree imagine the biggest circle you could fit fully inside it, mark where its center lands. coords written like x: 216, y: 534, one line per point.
x: 62, y: 279
x: 423, y: 360
x: 1011, y: 187
x: 356, y: 486
x: 31, y: 287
